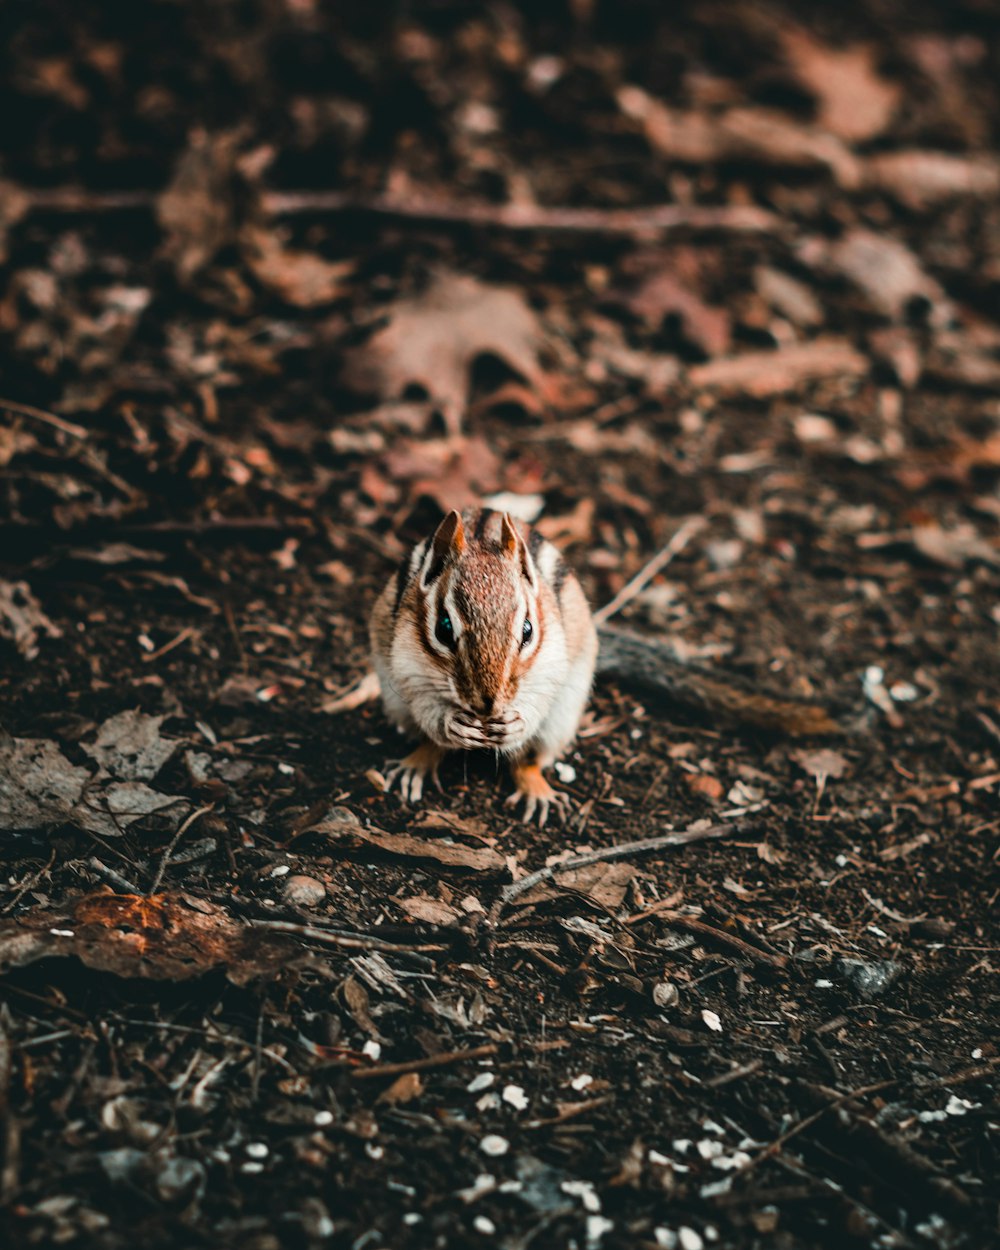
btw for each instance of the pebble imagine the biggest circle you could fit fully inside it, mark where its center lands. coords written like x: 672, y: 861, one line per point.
x: 494, y: 1144
x: 303, y: 891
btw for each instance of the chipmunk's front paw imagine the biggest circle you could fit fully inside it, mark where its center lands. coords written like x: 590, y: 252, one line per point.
x: 411, y: 773
x: 538, y: 796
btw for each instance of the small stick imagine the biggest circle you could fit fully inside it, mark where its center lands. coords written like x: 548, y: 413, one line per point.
x: 734, y: 1074
x: 682, y: 536
x: 172, y: 645
x: 47, y: 418
x: 645, y: 219
x: 623, y: 850
x: 111, y: 875
x: 165, y: 859
x: 421, y: 1065
x: 359, y: 943
x: 735, y: 943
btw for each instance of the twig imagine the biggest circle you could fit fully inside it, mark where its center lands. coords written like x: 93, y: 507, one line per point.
x: 528, y: 217
x: 646, y: 219
x: 186, y: 633
x: 359, y: 942
x: 165, y: 858
x: 570, y: 1112
x: 624, y: 850
x: 258, y: 1050
x: 47, y: 418
x: 699, y: 927
x: 111, y: 875
x: 681, y: 537
x: 734, y: 1074
x: 779, y: 1143
x: 420, y: 1065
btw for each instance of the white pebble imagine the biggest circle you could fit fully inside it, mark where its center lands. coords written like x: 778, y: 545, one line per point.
x: 688, y: 1239
x: 478, y: 1083
x: 322, y: 1118
x: 597, y: 1226
x: 495, y: 1145
x: 582, y: 1081
x: 516, y: 1096
x: 372, y: 1049
x: 257, y: 1149
x: 483, y: 1224
x: 711, y: 1018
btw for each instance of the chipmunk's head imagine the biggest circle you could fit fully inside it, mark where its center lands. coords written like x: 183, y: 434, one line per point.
x: 488, y: 631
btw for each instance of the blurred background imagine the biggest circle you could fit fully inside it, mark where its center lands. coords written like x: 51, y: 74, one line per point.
x: 280, y: 282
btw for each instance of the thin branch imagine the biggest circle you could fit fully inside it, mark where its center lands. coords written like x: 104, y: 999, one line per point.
x: 46, y: 418
x: 624, y: 850
x: 165, y: 858
x: 360, y: 942
x: 627, y: 222
x: 421, y: 1065
x: 681, y: 537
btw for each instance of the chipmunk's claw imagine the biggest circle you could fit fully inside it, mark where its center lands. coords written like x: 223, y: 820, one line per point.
x: 538, y: 796
x: 412, y: 773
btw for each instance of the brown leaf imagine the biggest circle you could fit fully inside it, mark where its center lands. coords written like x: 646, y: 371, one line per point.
x: 403, y: 1089
x: 300, y: 278
x: 855, y: 101
x: 433, y: 338
x: 743, y: 134
x: 921, y: 180
x: 165, y: 937
x: 129, y: 746
x: 660, y: 293
x: 887, y: 273
x: 343, y: 827
x: 196, y: 209
x: 606, y: 884
x: 22, y: 619
x: 455, y: 472
x: 774, y: 372
x: 429, y: 910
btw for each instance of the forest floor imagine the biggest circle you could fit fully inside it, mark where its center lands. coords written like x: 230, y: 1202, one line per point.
x: 278, y: 288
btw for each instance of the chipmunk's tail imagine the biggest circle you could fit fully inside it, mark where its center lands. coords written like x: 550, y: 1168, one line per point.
x: 654, y: 668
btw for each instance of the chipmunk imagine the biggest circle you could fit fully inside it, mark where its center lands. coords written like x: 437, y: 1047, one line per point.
x: 484, y: 639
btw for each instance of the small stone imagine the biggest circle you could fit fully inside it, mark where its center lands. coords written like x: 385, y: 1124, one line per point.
x: 495, y: 1145
x: 665, y: 994
x: 301, y: 891
x: 868, y: 978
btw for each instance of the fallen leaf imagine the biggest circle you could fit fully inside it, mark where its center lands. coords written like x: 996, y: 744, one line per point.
x: 129, y: 746
x: 886, y: 272
x: 163, y: 937
x: 921, y: 180
x: 954, y: 547
x: 39, y: 787
x: 433, y: 338
x: 788, y: 296
x: 22, y: 619
x: 341, y: 826
x: 855, y: 101
x: 455, y: 472
x: 303, y: 279
x: 768, y: 373
x: 738, y: 134
x: 196, y: 209
x: 429, y: 910
x: 403, y: 1090
x: 661, y: 292
x: 823, y: 763
x: 604, y: 884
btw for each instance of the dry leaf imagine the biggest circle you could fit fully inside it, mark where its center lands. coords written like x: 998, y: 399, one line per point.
x: 403, y: 1089
x: 128, y: 746
x: 196, y: 208
x: 921, y: 180
x: 343, y: 827
x: 22, y: 618
x: 774, y: 372
x: 855, y: 101
x: 429, y: 910
x: 606, y: 884
x: 887, y: 273
x: 433, y: 338
x: 301, y: 278
x: 164, y: 937
x: 455, y: 472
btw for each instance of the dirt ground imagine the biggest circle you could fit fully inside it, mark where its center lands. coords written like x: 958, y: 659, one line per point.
x: 281, y: 283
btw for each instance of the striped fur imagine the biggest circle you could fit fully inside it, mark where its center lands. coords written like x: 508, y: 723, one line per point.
x: 456, y: 662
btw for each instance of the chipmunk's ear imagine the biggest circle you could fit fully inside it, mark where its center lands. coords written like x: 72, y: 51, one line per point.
x: 448, y: 543
x: 514, y: 547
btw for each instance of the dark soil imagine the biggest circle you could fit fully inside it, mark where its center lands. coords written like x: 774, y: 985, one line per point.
x: 783, y: 1038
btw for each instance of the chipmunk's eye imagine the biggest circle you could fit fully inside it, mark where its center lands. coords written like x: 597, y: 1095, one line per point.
x: 526, y: 632
x: 444, y: 631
